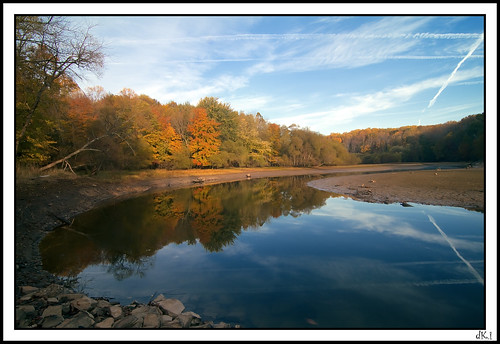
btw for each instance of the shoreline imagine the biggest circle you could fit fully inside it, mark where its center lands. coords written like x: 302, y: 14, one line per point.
x: 462, y: 188
x: 45, y: 203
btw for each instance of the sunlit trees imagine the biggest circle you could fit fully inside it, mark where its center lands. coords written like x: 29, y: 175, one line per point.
x: 204, y: 140
x: 47, y: 49
x: 451, y: 141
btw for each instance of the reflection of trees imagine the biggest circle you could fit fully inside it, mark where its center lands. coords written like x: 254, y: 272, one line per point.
x: 127, y: 235
x: 123, y: 267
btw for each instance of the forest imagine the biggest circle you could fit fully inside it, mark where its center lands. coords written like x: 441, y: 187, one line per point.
x: 57, y: 124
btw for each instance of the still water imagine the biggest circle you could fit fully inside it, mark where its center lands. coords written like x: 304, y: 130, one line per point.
x: 275, y: 253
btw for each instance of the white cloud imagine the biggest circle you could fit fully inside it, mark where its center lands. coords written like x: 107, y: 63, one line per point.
x: 360, y: 105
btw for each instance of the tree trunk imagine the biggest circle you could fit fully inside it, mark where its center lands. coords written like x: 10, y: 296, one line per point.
x: 83, y: 148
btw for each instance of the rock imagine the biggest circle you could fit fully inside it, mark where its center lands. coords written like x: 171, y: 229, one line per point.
x: 80, y: 320
x: 151, y: 321
x: 172, y: 324
x: 69, y: 297
x: 52, y: 300
x: 185, y: 319
x: 106, y: 323
x: 171, y: 307
x: 165, y: 319
x: 84, y: 303
x: 52, y: 310
x: 25, y: 312
x: 115, y: 311
x: 52, y: 321
x: 28, y: 289
x: 159, y: 298
x: 222, y: 325
x: 128, y: 322
x: 52, y: 290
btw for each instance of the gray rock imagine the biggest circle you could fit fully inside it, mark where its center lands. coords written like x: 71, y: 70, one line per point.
x: 165, y: 319
x: 52, y: 300
x: 172, y: 307
x: 25, y: 312
x: 185, y: 319
x: 69, y: 297
x: 28, y: 289
x: 151, y: 321
x: 52, y: 321
x: 115, y: 311
x: 128, y: 322
x: 80, y: 320
x: 159, y: 298
x: 84, y: 303
x: 52, y: 310
x: 106, y: 323
x: 222, y: 325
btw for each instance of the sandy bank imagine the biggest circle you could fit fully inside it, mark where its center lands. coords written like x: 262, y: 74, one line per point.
x: 456, y: 187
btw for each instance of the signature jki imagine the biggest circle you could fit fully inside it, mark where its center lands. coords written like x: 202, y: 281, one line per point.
x: 483, y: 335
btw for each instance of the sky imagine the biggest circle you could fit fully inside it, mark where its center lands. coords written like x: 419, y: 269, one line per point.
x: 327, y: 73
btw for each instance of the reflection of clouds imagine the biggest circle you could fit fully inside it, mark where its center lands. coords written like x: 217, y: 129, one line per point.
x: 361, y: 219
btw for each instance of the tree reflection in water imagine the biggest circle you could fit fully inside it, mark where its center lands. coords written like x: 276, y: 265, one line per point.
x: 127, y: 235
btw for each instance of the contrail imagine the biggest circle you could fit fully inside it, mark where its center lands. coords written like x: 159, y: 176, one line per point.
x: 471, y: 268
x: 473, y: 48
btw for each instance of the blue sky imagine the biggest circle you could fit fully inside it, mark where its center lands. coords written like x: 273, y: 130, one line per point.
x: 328, y: 73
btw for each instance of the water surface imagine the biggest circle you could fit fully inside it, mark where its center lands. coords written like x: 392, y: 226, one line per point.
x: 275, y: 253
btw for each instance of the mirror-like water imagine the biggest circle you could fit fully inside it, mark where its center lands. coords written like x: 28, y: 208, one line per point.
x: 274, y: 253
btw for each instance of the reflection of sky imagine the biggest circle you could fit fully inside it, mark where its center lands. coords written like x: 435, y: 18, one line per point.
x: 348, y: 264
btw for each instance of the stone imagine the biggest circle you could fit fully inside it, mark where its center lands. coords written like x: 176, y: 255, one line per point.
x: 84, y: 303
x: 128, y: 322
x: 80, y: 320
x: 25, y: 311
x: 115, y: 311
x: 52, y: 290
x: 165, y: 319
x: 28, y: 289
x: 185, y: 319
x: 172, y: 324
x: 52, y: 321
x: 52, y: 310
x: 151, y: 321
x: 69, y: 297
x: 52, y: 300
x: 159, y: 298
x: 171, y: 307
x: 106, y: 323
x: 221, y: 325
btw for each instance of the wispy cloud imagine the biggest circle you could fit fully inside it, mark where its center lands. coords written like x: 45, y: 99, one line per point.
x: 361, y: 105
x: 472, y: 49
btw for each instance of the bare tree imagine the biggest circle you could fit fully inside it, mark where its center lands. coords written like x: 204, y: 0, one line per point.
x: 47, y: 49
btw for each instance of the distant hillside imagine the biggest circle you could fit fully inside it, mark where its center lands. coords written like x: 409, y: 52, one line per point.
x: 450, y: 141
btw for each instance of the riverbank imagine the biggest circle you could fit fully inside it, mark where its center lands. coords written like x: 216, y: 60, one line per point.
x: 456, y: 188
x: 45, y: 202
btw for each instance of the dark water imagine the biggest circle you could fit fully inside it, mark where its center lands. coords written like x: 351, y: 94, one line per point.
x: 274, y: 253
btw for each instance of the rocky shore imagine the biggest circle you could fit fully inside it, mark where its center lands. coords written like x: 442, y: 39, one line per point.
x: 56, y: 306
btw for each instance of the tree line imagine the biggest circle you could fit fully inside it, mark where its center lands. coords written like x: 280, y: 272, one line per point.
x: 58, y: 124
x: 451, y: 141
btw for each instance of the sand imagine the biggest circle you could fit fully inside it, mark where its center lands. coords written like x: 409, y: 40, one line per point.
x: 455, y: 187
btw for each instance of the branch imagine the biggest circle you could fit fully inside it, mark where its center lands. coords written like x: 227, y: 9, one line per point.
x: 83, y: 148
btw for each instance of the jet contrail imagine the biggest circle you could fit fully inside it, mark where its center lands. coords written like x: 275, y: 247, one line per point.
x: 471, y: 268
x: 473, y: 48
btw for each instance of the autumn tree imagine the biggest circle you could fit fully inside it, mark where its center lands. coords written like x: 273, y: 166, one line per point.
x: 204, y: 138
x: 46, y: 50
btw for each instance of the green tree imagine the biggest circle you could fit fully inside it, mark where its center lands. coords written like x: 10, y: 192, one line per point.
x: 48, y: 49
